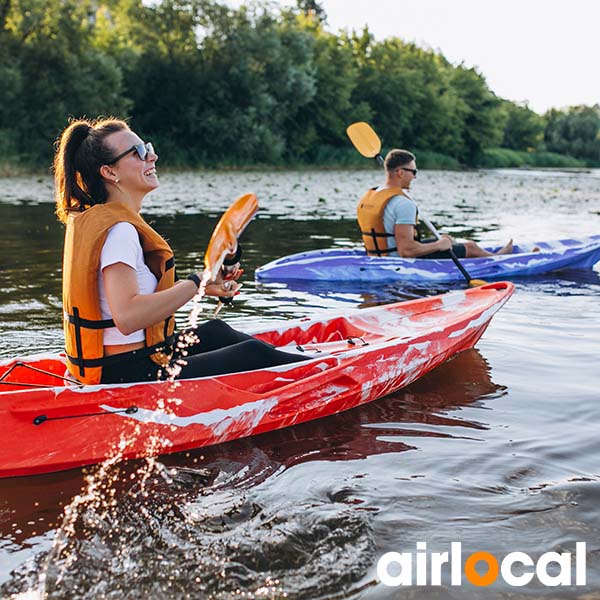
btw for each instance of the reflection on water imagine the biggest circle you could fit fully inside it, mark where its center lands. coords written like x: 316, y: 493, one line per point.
x: 496, y: 448
x: 212, y: 510
x: 420, y: 409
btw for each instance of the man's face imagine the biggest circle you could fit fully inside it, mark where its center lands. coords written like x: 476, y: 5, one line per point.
x: 406, y: 173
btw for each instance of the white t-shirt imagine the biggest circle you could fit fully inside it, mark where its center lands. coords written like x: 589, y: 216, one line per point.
x: 400, y: 210
x: 122, y: 245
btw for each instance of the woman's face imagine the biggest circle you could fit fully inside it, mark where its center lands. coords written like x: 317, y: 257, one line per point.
x: 133, y: 173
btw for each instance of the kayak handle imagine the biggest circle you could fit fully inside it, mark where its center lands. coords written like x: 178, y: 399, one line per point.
x: 130, y: 410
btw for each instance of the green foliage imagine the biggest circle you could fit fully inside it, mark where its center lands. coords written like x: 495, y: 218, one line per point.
x: 552, y: 159
x: 506, y: 158
x: 427, y: 159
x: 212, y: 85
x: 312, y: 10
x: 9, y: 152
x: 524, y: 128
x: 483, y: 121
x: 575, y: 131
x: 52, y: 71
x: 323, y: 120
x: 501, y: 158
x: 336, y: 156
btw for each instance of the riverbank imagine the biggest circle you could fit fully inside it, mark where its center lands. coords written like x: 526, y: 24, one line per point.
x: 504, y: 158
x: 346, y: 158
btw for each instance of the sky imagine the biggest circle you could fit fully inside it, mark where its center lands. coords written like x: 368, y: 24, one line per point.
x: 543, y: 52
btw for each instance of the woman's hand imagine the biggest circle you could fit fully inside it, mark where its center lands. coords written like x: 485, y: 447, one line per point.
x: 225, y: 287
x: 222, y: 289
x: 231, y: 272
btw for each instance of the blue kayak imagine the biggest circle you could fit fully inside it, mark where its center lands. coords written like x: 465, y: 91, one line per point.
x: 343, y: 264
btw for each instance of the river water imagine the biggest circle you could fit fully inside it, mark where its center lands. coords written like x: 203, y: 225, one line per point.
x: 497, y: 449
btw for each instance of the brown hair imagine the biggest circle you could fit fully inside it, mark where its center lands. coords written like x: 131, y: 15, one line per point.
x: 80, y: 152
x: 398, y: 158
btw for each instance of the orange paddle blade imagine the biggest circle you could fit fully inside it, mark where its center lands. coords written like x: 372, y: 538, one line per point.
x: 365, y: 140
x: 229, y: 228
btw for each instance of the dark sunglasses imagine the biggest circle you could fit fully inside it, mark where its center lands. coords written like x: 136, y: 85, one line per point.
x: 142, y: 151
x: 413, y: 171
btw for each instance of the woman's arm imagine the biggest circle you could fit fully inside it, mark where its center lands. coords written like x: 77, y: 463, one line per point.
x: 132, y: 311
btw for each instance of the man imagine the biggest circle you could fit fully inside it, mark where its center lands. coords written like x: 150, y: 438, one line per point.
x: 388, y: 217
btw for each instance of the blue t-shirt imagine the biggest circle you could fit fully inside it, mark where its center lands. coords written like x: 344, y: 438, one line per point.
x: 400, y: 210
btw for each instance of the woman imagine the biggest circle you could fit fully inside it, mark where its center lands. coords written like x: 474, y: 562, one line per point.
x: 119, y: 288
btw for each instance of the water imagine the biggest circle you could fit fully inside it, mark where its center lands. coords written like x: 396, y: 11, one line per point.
x: 497, y: 449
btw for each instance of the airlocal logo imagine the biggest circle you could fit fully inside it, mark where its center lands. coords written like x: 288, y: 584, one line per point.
x: 395, y: 568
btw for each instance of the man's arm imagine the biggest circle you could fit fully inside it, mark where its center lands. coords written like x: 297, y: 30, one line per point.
x: 408, y: 247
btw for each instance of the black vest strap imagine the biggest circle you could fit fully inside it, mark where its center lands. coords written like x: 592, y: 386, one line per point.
x: 76, y: 320
x: 375, y: 234
x: 82, y: 363
x: 379, y: 251
x: 122, y: 357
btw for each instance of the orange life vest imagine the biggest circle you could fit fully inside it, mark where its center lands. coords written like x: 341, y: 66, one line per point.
x: 369, y: 213
x: 83, y: 324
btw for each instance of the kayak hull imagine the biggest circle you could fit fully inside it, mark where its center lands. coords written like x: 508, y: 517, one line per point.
x: 340, y: 264
x: 355, y: 357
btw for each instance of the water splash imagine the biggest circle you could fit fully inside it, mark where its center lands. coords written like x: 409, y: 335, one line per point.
x: 196, y: 306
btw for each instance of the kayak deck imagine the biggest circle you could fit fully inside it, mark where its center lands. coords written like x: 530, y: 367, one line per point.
x: 342, y: 264
x: 354, y: 358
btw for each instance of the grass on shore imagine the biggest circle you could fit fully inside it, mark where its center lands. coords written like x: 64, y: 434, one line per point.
x: 505, y: 158
x: 325, y: 157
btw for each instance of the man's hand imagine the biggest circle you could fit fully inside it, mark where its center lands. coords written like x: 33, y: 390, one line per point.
x: 445, y: 242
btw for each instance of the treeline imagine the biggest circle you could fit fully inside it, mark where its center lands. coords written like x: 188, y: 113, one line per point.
x: 211, y: 85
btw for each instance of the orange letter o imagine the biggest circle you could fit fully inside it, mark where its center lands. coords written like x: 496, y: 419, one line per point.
x: 473, y: 576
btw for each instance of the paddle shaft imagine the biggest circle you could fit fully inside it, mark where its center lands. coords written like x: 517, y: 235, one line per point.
x: 453, y: 256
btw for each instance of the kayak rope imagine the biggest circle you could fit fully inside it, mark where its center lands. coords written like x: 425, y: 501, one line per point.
x: 301, y: 349
x: 43, y: 418
x: 350, y: 339
x: 37, y: 370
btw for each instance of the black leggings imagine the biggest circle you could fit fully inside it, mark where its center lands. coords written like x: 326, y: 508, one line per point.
x: 213, y: 348
x: 460, y: 250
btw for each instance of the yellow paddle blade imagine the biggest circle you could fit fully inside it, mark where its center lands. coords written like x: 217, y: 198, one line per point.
x: 365, y: 140
x: 477, y: 282
x: 229, y: 228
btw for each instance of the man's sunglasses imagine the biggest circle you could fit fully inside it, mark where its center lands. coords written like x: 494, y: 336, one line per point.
x: 142, y: 151
x: 413, y: 171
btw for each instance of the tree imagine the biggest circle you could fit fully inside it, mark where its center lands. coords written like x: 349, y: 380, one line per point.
x: 52, y: 70
x: 313, y: 10
x: 575, y: 132
x: 524, y: 129
x: 483, y: 122
x: 410, y: 92
x: 321, y: 123
x: 4, y: 8
x: 211, y: 84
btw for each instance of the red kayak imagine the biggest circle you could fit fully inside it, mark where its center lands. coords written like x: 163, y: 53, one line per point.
x: 49, y: 424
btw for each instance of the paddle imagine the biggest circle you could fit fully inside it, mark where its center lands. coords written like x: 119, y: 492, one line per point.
x: 367, y: 142
x: 224, y: 239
